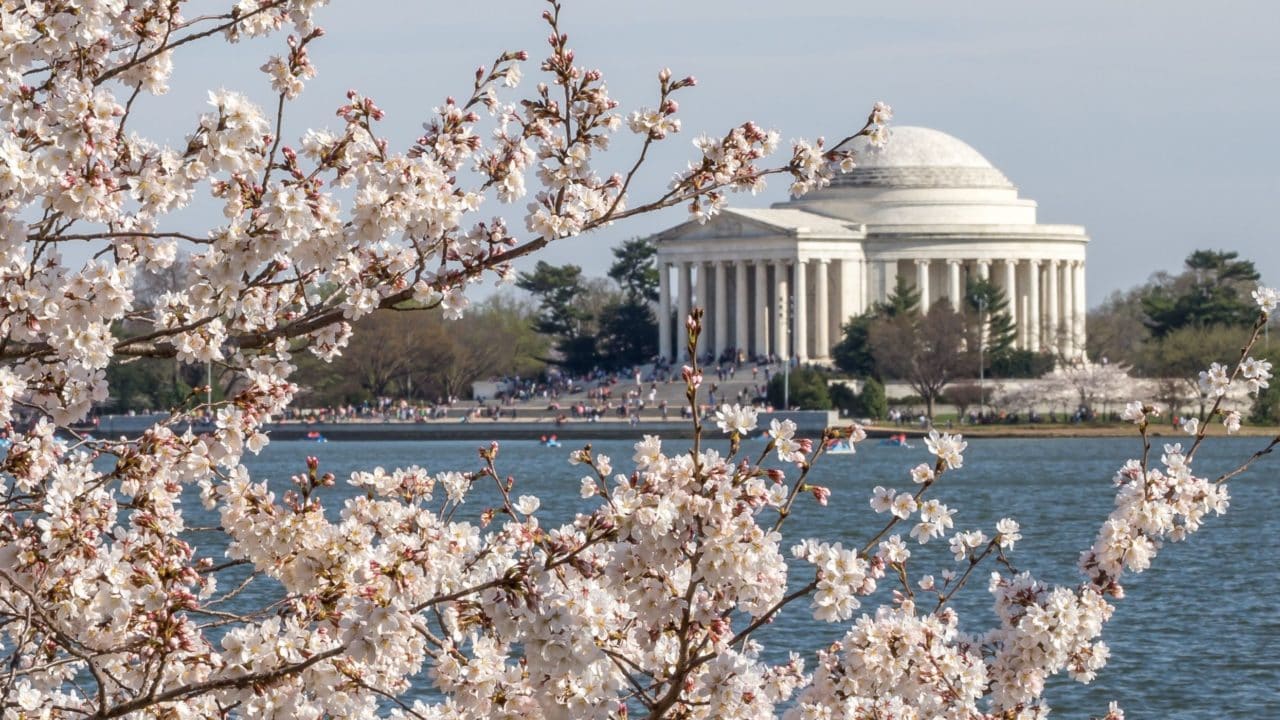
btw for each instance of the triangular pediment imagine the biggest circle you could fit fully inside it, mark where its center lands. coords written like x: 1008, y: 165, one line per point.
x: 737, y: 224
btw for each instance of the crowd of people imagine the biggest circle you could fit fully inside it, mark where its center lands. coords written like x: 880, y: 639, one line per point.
x: 632, y: 394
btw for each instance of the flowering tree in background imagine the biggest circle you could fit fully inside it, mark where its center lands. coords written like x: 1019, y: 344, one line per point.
x: 1081, y: 384
x: 645, y: 604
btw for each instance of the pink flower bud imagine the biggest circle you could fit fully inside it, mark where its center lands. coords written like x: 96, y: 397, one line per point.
x: 821, y: 494
x: 688, y: 374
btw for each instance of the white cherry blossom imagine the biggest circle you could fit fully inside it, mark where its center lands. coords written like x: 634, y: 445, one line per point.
x: 645, y: 600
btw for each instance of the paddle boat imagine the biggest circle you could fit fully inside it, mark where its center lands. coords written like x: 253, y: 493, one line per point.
x: 840, y: 446
x: 315, y: 436
x: 899, y: 440
x: 552, y: 441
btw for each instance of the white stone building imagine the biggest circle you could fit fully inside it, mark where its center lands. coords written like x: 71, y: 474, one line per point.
x: 927, y: 206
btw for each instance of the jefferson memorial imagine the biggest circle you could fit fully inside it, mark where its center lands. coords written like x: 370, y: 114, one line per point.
x: 926, y: 207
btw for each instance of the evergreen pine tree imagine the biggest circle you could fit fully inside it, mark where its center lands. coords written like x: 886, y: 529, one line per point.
x: 1001, y: 331
x: 904, y: 300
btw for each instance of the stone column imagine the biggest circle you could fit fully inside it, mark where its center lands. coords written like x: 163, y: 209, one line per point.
x: 782, y: 293
x: 664, y: 311
x: 953, y: 284
x: 1011, y: 295
x: 801, y: 322
x: 850, y: 284
x: 863, y: 297
x: 1023, y: 305
x: 760, y: 306
x: 1033, y: 305
x: 740, y: 307
x: 1067, y: 343
x: 821, y: 315
x: 682, y: 308
x: 698, y: 287
x: 922, y: 284
x: 1051, y: 300
x: 1081, y: 309
x: 721, y: 324
x: 984, y: 269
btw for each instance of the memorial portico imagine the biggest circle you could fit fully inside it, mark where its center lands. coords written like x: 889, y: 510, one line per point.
x: 927, y: 208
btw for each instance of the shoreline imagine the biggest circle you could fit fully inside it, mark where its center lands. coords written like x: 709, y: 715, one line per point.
x: 809, y: 424
x: 622, y: 430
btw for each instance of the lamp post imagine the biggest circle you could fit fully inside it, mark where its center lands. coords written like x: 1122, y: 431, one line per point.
x: 785, y: 334
x: 982, y: 369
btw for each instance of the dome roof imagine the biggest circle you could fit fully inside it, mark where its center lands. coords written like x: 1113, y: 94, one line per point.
x: 919, y: 147
x: 920, y: 157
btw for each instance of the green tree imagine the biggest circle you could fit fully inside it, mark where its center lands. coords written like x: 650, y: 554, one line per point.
x: 569, y: 312
x: 987, y: 302
x: 150, y: 384
x: 874, y: 404
x: 635, y: 270
x: 628, y: 327
x: 1184, y: 352
x: 628, y: 334
x: 844, y: 399
x: 1016, y: 363
x: 559, y: 290
x: 904, y: 300
x: 1266, y: 407
x: 1212, y: 290
x: 870, y: 403
x: 578, y: 354
x: 853, y: 353
x: 808, y: 389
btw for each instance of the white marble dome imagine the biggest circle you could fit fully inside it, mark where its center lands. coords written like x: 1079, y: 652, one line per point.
x: 919, y: 157
x: 920, y: 176
x: 910, y: 146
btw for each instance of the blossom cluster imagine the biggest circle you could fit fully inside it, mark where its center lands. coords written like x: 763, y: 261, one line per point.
x: 646, y: 600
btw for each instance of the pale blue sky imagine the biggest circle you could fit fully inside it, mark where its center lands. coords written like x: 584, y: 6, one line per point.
x: 1151, y: 124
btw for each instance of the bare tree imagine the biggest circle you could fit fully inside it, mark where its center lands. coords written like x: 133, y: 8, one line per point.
x: 927, y: 351
x: 390, y: 345
x: 964, y: 396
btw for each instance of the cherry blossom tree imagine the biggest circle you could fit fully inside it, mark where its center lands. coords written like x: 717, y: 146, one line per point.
x: 644, y: 604
x: 1085, y: 384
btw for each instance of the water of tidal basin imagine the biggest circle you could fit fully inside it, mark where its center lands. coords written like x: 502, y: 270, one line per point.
x: 1196, y: 637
